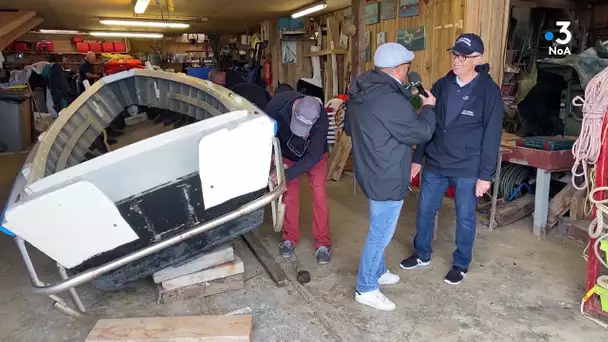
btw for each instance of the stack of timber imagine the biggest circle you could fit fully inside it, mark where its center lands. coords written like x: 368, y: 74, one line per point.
x: 211, y: 273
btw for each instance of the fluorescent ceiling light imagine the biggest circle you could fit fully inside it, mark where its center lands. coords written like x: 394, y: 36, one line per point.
x: 58, y: 31
x: 126, y: 34
x: 310, y: 9
x: 140, y: 6
x: 142, y: 23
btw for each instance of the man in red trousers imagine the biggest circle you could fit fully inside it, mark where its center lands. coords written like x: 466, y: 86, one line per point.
x: 302, y: 130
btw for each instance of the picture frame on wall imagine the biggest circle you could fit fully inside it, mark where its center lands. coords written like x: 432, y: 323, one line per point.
x: 409, y: 8
x: 368, y: 46
x: 414, y: 39
x: 289, y: 52
x: 388, y: 9
x: 380, y: 38
x: 371, y: 14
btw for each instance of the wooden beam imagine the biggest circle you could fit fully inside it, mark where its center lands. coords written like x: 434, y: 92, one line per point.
x: 10, y: 21
x: 173, y: 329
x: 358, y: 40
x: 274, y: 270
x: 21, y: 30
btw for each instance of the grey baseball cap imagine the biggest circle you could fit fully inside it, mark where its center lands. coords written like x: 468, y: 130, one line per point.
x: 305, y: 112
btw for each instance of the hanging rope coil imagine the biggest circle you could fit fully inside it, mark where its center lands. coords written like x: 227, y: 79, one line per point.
x: 586, y: 149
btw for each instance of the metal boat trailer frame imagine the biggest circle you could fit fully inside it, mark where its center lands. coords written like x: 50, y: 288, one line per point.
x: 69, y: 283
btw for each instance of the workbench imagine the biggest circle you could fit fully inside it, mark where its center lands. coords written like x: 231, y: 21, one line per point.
x: 545, y: 162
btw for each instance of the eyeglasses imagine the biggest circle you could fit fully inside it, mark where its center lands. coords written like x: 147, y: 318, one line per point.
x: 460, y: 58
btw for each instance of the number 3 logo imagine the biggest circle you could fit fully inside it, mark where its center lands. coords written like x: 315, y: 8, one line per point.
x: 564, y: 25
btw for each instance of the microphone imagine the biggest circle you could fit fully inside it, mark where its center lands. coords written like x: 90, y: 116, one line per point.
x: 416, y: 81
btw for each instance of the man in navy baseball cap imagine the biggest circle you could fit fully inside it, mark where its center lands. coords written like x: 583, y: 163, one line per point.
x: 468, y: 44
x: 462, y: 153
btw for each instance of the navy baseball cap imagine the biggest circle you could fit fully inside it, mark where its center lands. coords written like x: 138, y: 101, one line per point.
x: 468, y: 44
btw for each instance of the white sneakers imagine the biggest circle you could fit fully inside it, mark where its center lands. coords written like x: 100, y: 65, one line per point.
x: 388, y: 278
x: 377, y: 299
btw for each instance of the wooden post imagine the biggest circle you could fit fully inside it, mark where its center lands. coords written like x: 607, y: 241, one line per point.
x: 358, y: 40
x: 270, y: 32
x: 342, y: 149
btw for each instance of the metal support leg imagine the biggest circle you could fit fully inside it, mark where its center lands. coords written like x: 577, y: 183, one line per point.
x: 541, y: 203
x: 59, y: 302
x: 492, y: 225
x: 73, y: 293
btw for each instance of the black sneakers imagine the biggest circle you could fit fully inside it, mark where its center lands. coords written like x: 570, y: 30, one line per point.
x: 456, y: 275
x: 413, y: 262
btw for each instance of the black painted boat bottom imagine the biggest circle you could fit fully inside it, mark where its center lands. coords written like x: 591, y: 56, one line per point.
x: 166, y: 211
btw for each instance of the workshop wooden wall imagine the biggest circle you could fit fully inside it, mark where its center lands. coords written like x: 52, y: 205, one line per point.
x: 490, y: 19
x: 442, y: 21
x: 285, y: 73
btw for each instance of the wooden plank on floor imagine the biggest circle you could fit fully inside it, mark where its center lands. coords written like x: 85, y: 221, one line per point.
x: 217, y: 272
x: 515, y: 210
x: 173, y: 329
x: 221, y: 255
x: 577, y: 230
x: 559, y: 205
x: 201, y: 290
x: 272, y: 267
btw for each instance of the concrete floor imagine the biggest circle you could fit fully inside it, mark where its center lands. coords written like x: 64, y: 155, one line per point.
x: 518, y: 289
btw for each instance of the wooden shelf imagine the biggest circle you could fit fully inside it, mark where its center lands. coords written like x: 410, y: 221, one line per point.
x: 326, y: 52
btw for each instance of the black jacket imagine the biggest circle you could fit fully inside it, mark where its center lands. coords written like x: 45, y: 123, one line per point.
x: 253, y: 93
x: 384, y: 125
x: 305, y: 152
x: 468, y: 146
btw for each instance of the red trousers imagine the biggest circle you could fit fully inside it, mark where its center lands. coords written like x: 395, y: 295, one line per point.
x: 317, y: 179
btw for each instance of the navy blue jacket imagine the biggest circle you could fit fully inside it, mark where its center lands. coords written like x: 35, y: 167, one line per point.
x: 468, y: 146
x: 314, y: 146
x: 383, y: 126
x: 253, y: 93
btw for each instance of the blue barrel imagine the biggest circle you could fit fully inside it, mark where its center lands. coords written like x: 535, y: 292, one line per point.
x: 202, y: 73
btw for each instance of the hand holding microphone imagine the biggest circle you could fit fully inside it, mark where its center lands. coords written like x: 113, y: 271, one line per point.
x: 426, y: 96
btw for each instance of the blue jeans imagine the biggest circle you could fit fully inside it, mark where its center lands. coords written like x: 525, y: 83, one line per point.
x: 432, y: 191
x: 383, y: 216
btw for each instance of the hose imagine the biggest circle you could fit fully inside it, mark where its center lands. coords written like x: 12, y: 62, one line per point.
x: 512, y: 176
x: 586, y: 149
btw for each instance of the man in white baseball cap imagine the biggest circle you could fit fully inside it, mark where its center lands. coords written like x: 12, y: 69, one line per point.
x: 383, y: 126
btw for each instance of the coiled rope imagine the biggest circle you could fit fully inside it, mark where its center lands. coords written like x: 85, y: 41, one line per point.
x: 511, y: 176
x: 586, y: 149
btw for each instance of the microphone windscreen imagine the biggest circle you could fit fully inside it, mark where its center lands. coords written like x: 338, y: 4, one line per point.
x: 414, y: 77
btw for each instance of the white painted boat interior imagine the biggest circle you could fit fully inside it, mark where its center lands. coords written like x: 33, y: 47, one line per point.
x: 60, y: 201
